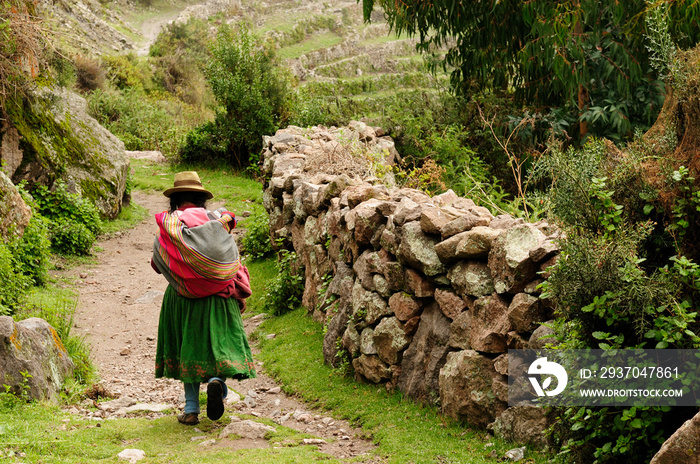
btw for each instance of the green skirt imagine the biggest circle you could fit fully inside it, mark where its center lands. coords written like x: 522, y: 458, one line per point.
x: 201, y: 338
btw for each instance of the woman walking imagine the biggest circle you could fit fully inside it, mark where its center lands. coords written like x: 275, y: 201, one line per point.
x: 200, y: 331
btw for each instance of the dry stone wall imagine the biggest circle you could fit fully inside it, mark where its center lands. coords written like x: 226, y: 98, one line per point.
x: 424, y: 294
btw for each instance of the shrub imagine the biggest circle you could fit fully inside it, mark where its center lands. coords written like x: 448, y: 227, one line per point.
x: 256, y: 241
x: 286, y: 290
x: 127, y: 72
x: 71, y: 238
x: 89, y: 74
x: 608, y: 295
x: 178, y: 56
x: 250, y: 88
x: 144, y: 122
x: 74, y: 222
x: 32, y: 250
x: 14, y: 283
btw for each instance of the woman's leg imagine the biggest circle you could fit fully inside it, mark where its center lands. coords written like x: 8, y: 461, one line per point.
x: 191, y: 397
x: 216, y: 392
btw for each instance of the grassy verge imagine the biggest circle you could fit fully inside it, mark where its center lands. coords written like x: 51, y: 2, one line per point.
x: 42, y: 433
x: 404, y: 431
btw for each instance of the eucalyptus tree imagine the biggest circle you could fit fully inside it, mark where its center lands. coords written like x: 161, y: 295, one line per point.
x: 586, y: 56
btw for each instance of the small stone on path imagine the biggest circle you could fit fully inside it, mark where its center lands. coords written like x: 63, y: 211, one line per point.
x: 132, y: 455
x: 247, y: 429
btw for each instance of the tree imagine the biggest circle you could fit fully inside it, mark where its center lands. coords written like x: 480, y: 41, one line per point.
x: 583, y: 55
x: 250, y: 89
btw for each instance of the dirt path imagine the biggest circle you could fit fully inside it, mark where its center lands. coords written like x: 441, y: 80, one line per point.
x: 118, y: 310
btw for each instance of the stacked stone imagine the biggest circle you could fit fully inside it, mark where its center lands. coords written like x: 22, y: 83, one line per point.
x: 423, y: 293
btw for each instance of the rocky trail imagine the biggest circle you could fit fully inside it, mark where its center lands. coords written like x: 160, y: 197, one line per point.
x: 118, y: 308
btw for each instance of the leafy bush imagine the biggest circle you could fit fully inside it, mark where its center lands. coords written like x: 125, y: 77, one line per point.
x: 14, y: 283
x: 286, y: 290
x: 620, y: 282
x: 177, y: 57
x: 71, y: 238
x: 256, y: 241
x: 74, y: 222
x: 127, y: 72
x: 32, y: 250
x: 144, y: 122
x: 250, y: 87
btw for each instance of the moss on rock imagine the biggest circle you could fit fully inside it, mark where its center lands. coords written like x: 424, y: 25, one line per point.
x: 60, y: 141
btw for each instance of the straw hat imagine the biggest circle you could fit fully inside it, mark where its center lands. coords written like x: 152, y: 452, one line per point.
x: 187, y: 181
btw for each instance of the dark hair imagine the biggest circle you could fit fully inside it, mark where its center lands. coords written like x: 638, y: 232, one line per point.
x: 178, y: 199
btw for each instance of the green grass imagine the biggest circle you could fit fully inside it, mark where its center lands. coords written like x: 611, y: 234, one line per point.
x: 404, y: 431
x: 261, y: 271
x: 45, y: 434
x: 314, y: 42
x: 391, y: 37
x: 128, y: 217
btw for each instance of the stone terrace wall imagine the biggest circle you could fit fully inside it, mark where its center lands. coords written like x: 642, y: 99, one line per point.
x: 422, y: 294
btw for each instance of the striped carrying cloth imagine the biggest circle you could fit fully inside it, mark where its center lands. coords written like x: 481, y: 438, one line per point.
x: 197, y: 261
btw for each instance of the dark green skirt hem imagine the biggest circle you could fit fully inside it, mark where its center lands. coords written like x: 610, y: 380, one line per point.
x: 200, y: 338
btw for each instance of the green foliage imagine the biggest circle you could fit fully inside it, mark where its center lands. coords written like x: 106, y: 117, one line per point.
x: 10, y: 400
x: 177, y: 58
x: 32, y: 250
x: 605, y: 435
x: 14, y: 283
x: 285, y: 291
x: 686, y: 207
x: 144, y: 121
x: 74, y: 222
x: 579, y: 55
x: 250, y: 88
x: 610, y: 294
x: 71, y: 238
x: 256, y: 241
x: 127, y: 72
x: 660, y: 44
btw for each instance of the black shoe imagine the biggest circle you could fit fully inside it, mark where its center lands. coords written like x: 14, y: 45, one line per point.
x: 215, y: 399
x: 191, y: 418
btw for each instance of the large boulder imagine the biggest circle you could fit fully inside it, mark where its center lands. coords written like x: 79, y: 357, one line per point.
x: 33, y: 347
x: 423, y: 359
x: 511, y: 266
x: 683, y: 447
x: 466, y: 390
x: 14, y: 212
x: 418, y: 250
x: 524, y: 424
x: 390, y: 340
x: 61, y: 142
